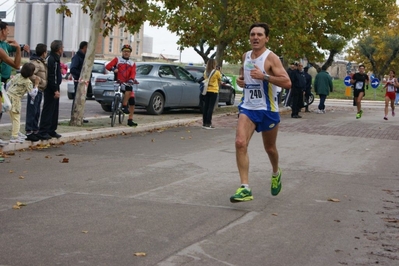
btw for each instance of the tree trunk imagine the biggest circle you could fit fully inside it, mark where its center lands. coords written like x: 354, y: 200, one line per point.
x: 80, y: 97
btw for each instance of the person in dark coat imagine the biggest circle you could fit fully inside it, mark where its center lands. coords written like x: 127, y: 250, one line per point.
x: 323, y: 86
x: 308, y: 88
x: 49, y: 118
x: 297, y: 90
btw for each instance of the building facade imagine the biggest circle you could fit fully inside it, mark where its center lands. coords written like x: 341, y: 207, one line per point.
x: 36, y: 21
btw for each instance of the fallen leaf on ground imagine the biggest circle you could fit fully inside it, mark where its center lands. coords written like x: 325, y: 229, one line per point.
x: 140, y: 254
x: 47, y: 157
x: 333, y: 200
x: 61, y: 154
x: 65, y: 160
x: 274, y: 214
x: 21, y: 177
x: 85, y: 232
x: 391, y: 220
x: 15, y: 207
x: 11, y: 171
x: 20, y: 204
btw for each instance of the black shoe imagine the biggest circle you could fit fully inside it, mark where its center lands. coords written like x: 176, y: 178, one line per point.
x: 55, y: 135
x: 32, y: 137
x: 43, y: 136
x: 85, y: 121
x: 131, y: 123
x: 125, y: 109
x: 296, y: 116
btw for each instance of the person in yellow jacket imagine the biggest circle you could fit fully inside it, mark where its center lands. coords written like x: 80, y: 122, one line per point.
x: 211, y: 95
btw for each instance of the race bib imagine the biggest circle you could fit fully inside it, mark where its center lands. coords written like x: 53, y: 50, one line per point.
x: 359, y: 85
x: 391, y: 88
x: 254, y: 95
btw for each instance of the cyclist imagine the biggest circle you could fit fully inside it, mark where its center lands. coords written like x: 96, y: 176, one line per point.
x: 125, y: 72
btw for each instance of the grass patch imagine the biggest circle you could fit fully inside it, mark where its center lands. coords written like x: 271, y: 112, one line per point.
x: 339, y: 92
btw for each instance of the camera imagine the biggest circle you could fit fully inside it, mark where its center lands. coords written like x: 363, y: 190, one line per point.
x: 22, y: 47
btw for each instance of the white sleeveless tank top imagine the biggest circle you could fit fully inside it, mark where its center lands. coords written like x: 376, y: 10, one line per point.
x: 258, y: 94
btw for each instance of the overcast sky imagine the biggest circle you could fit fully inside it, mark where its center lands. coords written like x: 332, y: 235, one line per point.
x: 163, y: 41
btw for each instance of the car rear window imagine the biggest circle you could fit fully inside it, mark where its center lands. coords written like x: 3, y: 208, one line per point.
x: 98, y: 68
x: 143, y: 69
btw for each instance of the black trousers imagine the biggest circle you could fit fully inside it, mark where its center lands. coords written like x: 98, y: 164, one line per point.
x: 49, y: 118
x: 209, y: 104
x: 297, y: 101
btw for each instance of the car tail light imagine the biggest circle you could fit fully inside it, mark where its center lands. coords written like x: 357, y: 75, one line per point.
x: 100, y: 80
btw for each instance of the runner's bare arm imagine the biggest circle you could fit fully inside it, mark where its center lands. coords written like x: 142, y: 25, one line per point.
x: 278, y: 75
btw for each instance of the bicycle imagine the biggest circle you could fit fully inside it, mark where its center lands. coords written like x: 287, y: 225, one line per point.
x: 116, y: 106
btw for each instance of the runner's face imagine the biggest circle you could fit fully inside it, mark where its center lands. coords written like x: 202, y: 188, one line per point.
x: 361, y: 70
x: 258, y: 38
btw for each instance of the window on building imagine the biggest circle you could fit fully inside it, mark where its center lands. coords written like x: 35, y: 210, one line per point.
x: 110, y: 46
x: 137, y: 48
x: 121, y: 44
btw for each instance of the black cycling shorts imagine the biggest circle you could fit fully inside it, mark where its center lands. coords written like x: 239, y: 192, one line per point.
x: 128, y: 88
x: 356, y: 92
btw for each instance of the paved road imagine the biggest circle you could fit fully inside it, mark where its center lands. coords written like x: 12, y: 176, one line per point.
x: 165, y: 193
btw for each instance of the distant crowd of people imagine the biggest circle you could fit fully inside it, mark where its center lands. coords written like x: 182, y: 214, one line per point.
x: 297, y: 96
x: 41, y: 78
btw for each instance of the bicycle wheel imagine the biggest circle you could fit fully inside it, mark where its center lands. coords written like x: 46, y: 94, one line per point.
x: 115, y: 109
x: 121, y: 115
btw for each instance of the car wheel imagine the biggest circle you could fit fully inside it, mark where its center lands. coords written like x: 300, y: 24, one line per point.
x: 157, y: 104
x: 106, y: 107
x: 70, y: 96
x: 232, y: 99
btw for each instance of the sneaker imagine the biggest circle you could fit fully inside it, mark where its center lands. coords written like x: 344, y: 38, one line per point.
x: 393, y: 113
x: 131, y: 123
x: 44, y: 136
x: 323, y: 111
x: 125, y: 109
x: 319, y: 111
x: 55, y: 135
x: 385, y: 118
x: 276, y: 183
x: 358, y: 115
x: 242, y: 194
x: 16, y: 140
x: 32, y: 137
x: 3, y: 143
x: 22, y: 136
x: 208, y: 127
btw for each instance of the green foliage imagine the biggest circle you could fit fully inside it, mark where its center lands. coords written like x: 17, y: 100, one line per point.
x: 299, y: 29
x: 378, y: 46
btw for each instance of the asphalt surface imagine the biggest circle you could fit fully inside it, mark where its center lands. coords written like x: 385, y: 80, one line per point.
x: 159, y: 195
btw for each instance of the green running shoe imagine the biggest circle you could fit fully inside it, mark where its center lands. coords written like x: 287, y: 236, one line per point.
x: 276, y: 183
x: 358, y: 115
x: 242, y: 194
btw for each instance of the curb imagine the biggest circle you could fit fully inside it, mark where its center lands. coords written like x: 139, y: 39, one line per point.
x: 98, y: 133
